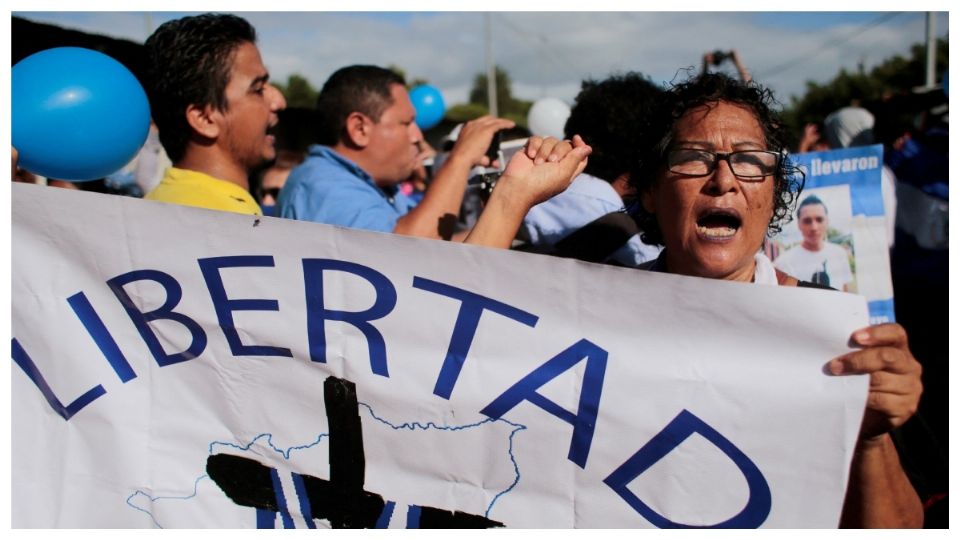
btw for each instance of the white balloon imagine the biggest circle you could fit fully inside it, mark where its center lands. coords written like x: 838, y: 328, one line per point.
x: 547, y: 117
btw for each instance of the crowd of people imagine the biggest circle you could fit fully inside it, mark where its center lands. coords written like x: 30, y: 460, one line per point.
x: 689, y: 180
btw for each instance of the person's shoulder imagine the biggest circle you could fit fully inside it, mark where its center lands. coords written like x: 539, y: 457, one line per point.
x: 835, y: 249
x: 585, y: 186
x: 787, y: 256
x: 317, y: 176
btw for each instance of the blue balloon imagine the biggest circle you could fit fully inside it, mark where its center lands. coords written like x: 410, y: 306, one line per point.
x: 428, y: 102
x: 77, y: 114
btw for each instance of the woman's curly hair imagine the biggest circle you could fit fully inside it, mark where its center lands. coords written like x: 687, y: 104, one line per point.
x: 708, y: 89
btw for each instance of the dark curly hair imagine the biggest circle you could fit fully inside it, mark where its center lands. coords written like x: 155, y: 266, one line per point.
x: 188, y: 63
x: 612, y: 115
x: 363, y: 89
x: 708, y: 89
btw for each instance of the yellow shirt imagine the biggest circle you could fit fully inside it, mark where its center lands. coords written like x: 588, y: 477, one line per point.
x: 192, y: 188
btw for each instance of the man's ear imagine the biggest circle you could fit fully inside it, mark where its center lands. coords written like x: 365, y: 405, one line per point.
x: 205, y: 120
x: 621, y: 185
x: 647, y: 200
x: 357, y: 128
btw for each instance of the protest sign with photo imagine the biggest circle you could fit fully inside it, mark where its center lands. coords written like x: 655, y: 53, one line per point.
x: 839, y: 235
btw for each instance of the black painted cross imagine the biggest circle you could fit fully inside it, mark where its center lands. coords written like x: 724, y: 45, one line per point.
x: 341, y: 500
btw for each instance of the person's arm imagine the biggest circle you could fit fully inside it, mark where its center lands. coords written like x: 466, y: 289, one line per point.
x: 441, y: 202
x: 15, y: 156
x: 879, y: 493
x: 811, y: 134
x: 544, y: 168
x: 744, y: 74
x: 707, y: 62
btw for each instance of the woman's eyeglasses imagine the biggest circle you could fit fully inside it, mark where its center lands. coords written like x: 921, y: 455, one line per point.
x: 750, y: 165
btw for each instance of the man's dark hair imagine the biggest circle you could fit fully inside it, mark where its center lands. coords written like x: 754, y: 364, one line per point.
x: 363, y: 89
x: 811, y: 200
x: 188, y: 63
x: 707, y: 90
x: 612, y: 116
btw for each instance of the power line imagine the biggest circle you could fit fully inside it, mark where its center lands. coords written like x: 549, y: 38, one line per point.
x: 540, y: 41
x: 829, y: 44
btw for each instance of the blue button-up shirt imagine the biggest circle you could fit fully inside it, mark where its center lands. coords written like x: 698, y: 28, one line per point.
x: 586, y: 199
x: 329, y: 188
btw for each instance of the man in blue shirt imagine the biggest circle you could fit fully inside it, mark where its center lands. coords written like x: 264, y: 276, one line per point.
x: 369, y: 143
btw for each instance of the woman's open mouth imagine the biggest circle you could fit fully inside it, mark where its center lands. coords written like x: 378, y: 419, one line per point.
x: 718, y: 223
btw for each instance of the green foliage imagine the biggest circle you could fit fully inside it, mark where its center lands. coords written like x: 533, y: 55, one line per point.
x: 398, y: 70
x: 895, y: 75
x: 298, y: 92
x: 403, y: 73
x: 464, y: 112
x: 507, y: 105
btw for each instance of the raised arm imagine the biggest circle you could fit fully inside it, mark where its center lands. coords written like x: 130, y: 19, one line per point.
x: 442, y: 200
x: 544, y: 168
x: 744, y: 74
x: 879, y: 493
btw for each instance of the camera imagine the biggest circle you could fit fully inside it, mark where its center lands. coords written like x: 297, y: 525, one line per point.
x: 721, y: 56
x: 484, y: 178
x: 493, y: 151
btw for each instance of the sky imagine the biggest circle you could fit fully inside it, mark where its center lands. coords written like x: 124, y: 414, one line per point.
x: 547, y: 54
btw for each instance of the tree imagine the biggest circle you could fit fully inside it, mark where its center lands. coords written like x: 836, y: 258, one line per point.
x: 894, y: 76
x: 507, y: 105
x: 298, y: 92
x: 403, y: 73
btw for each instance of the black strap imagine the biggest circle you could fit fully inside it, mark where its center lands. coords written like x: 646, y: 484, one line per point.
x: 812, y: 285
x: 598, y: 240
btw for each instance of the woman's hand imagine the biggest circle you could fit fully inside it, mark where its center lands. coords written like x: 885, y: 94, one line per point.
x: 545, y: 167
x: 895, y: 385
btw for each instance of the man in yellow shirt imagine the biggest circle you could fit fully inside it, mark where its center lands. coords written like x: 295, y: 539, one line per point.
x: 215, y: 110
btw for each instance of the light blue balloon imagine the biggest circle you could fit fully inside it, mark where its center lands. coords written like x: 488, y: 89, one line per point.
x: 428, y: 102
x: 77, y: 114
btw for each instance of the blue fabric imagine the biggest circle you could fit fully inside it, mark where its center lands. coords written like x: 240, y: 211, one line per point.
x: 586, y: 199
x: 329, y: 188
x: 922, y: 165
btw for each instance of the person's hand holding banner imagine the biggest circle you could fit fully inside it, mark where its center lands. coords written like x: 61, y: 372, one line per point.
x: 895, y: 386
x: 893, y: 398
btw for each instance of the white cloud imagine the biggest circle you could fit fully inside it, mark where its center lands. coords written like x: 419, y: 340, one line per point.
x: 548, y: 53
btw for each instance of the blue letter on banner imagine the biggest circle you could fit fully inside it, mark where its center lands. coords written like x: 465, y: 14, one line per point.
x: 677, y: 431
x: 317, y: 314
x: 23, y: 360
x: 101, y: 336
x: 198, y: 338
x: 210, y: 268
x: 464, y: 329
x: 585, y: 420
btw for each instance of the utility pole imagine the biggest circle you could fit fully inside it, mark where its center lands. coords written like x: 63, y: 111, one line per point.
x: 148, y: 23
x: 491, y: 67
x: 931, y: 50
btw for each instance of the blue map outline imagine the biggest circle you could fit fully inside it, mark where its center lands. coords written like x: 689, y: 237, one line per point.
x: 411, y: 426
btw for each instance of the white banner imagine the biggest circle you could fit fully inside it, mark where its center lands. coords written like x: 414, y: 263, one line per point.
x: 178, y: 367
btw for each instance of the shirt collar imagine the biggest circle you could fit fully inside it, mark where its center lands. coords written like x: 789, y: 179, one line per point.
x: 332, y: 155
